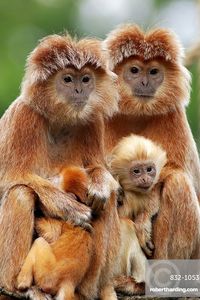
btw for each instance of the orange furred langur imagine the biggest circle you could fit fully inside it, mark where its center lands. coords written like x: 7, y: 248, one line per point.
x: 56, y: 121
x: 154, y: 89
x: 69, y: 261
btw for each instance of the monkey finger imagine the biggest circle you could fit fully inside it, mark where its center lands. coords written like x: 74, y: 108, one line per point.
x: 150, y: 245
x: 147, y: 251
x: 88, y: 227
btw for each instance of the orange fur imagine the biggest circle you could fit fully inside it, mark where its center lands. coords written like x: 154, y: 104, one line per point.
x: 75, y: 180
x: 66, y: 258
x: 163, y: 120
x: 40, y: 134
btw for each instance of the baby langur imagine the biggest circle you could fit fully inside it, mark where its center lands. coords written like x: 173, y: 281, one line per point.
x: 67, y: 260
x: 136, y: 162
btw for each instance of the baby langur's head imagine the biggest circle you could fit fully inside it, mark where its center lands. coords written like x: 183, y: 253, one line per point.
x: 137, y: 162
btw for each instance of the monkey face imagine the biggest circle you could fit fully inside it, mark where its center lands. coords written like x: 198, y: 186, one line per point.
x: 143, y: 78
x: 150, y: 87
x: 75, y: 86
x: 142, y: 176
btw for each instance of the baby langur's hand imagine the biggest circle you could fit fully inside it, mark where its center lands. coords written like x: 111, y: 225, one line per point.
x: 143, y: 232
x: 148, y: 248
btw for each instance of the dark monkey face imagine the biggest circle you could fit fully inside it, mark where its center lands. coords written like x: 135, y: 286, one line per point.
x: 75, y: 86
x: 143, y: 78
x: 142, y: 175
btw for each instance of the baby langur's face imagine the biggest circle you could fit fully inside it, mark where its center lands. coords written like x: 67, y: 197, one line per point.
x: 142, y: 176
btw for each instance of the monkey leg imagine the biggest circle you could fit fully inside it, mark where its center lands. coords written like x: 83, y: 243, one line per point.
x: 108, y: 293
x: 39, y: 262
x: 38, y: 266
x: 16, y: 227
x: 67, y: 292
x: 176, y: 230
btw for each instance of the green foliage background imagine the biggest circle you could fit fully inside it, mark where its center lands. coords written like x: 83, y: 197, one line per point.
x: 23, y: 22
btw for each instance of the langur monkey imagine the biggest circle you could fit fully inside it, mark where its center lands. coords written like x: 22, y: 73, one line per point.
x: 137, y: 163
x: 154, y: 89
x: 56, y: 121
x: 70, y: 261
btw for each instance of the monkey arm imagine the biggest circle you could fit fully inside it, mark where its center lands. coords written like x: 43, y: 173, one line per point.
x: 101, y: 182
x: 176, y: 230
x: 24, y: 153
x: 56, y: 203
x: 143, y: 227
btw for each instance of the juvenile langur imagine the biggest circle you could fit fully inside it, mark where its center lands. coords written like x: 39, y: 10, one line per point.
x: 154, y: 89
x: 56, y: 121
x: 70, y: 261
x: 136, y: 163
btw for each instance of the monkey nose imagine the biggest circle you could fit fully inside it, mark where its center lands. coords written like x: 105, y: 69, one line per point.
x: 78, y: 90
x: 145, y: 81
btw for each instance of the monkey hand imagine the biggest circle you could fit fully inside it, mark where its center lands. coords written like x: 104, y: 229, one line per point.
x: 57, y: 203
x: 74, y: 211
x: 143, y: 233
x: 101, y: 185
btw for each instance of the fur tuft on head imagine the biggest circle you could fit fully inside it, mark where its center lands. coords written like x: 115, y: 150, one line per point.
x: 129, y: 40
x: 139, y: 149
x: 55, y: 53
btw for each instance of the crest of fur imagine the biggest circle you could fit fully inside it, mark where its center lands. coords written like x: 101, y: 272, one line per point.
x: 130, y: 41
x: 53, y: 54
x: 56, y: 52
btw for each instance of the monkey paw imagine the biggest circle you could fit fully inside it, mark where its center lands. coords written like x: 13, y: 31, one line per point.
x: 100, y: 191
x: 79, y: 214
x: 144, y: 239
x: 97, y: 198
x: 148, y: 248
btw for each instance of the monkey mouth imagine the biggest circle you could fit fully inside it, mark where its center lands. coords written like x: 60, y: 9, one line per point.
x: 144, y: 96
x: 144, y: 188
x: 79, y: 104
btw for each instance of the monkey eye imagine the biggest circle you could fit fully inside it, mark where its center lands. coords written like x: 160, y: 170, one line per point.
x: 85, y: 79
x: 149, y: 169
x: 67, y: 79
x: 136, y: 171
x: 154, y: 71
x: 134, y: 70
